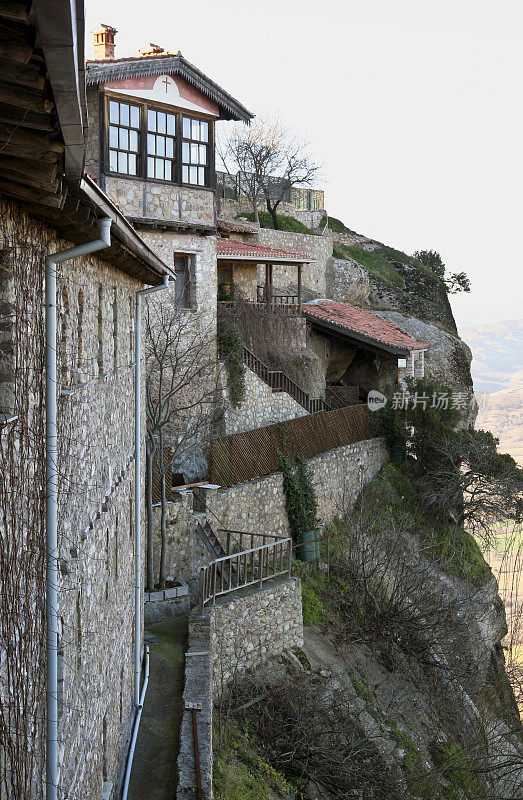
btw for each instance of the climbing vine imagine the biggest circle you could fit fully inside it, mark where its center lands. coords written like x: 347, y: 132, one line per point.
x: 230, y: 348
x: 300, y: 498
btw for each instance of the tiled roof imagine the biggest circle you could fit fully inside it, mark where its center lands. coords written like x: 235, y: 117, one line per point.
x: 243, y: 251
x: 236, y: 226
x: 361, y: 323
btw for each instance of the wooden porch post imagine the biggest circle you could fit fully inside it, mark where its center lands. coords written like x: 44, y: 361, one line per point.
x: 299, y: 288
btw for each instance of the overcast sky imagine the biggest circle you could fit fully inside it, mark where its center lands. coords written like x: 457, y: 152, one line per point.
x: 414, y: 108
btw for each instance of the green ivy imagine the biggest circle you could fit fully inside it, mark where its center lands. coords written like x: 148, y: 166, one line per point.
x: 300, y: 499
x: 230, y: 349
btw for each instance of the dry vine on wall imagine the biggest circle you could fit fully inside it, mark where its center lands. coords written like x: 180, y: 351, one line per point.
x: 22, y: 503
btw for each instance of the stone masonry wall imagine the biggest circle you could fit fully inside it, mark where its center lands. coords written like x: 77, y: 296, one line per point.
x: 313, y: 275
x: 260, y: 407
x: 338, y: 477
x: 162, y: 201
x: 198, y: 321
x: 185, y: 553
x: 249, y: 629
x: 95, y: 353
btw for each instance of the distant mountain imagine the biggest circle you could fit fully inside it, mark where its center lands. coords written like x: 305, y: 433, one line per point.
x: 497, y: 370
x: 502, y: 413
x: 497, y: 349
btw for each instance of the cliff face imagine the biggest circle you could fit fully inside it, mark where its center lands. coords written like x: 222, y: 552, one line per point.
x: 400, y: 290
x: 400, y: 691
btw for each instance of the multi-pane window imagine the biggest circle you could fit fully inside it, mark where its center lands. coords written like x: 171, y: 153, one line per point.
x: 194, y: 151
x: 152, y: 143
x: 161, y: 133
x: 124, y: 137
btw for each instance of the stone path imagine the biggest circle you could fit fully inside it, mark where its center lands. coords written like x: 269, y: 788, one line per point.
x: 153, y: 776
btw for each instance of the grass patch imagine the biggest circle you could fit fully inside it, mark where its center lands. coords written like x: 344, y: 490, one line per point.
x: 285, y: 222
x: 413, y: 758
x: 334, y: 225
x: 363, y: 691
x: 312, y: 606
x: 379, y: 262
x: 456, y: 769
x: 240, y: 773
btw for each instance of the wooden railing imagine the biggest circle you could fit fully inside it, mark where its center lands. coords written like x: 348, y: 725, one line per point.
x: 280, y: 382
x: 252, y: 567
x: 236, y: 541
x: 277, y: 299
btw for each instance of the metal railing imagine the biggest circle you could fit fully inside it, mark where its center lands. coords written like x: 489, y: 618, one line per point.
x: 278, y: 381
x: 252, y: 567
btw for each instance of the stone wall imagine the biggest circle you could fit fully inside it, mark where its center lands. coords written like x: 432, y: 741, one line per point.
x: 285, y: 277
x: 338, y: 475
x: 193, y: 326
x: 185, y: 553
x: 260, y: 407
x: 248, y: 629
x: 95, y: 350
x: 234, y: 635
x: 162, y: 201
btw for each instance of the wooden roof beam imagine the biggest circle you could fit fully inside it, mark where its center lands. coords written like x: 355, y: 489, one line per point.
x: 16, y: 41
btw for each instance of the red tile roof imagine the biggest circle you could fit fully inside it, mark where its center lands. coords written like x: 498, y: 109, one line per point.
x: 362, y: 323
x: 236, y: 226
x: 243, y: 251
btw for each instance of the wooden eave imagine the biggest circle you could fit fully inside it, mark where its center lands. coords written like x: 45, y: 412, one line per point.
x: 106, y: 70
x: 365, y: 342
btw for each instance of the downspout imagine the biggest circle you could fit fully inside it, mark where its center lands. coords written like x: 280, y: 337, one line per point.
x: 137, y: 488
x: 51, y: 499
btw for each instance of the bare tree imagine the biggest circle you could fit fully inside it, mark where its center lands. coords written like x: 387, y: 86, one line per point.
x: 181, y: 383
x: 271, y: 161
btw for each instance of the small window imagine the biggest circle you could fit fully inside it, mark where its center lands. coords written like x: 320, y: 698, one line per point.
x: 182, y: 286
x: 124, y: 137
x: 195, y: 151
x: 161, y: 146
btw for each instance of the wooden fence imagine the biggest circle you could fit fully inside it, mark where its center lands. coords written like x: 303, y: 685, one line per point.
x: 242, y: 457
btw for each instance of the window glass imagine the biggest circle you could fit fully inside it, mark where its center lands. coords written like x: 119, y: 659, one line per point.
x: 135, y: 117
x: 124, y: 137
x: 150, y: 167
x: 160, y: 143
x: 194, y: 154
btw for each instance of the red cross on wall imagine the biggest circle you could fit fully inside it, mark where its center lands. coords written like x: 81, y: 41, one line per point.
x: 167, y: 82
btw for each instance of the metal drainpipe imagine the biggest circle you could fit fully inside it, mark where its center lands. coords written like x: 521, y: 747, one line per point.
x: 51, y: 499
x: 137, y: 491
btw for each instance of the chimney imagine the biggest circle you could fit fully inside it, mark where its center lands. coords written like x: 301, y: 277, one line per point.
x: 104, y: 41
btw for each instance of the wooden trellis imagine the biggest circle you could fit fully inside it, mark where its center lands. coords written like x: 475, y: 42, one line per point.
x: 242, y: 457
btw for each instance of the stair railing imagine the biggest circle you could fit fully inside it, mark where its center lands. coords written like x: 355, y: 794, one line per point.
x: 278, y: 381
x: 252, y: 567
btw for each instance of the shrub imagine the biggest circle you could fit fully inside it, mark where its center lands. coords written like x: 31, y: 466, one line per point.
x: 313, y: 609
x: 230, y: 349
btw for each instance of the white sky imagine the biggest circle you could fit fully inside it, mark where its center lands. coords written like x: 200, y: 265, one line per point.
x: 413, y: 107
